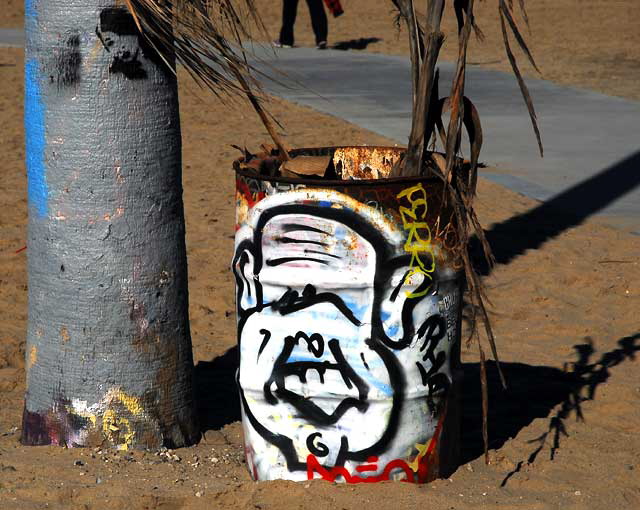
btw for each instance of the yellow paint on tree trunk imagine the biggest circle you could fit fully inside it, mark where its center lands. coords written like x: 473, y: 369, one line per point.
x: 131, y: 403
x: 116, y: 428
x: 33, y: 357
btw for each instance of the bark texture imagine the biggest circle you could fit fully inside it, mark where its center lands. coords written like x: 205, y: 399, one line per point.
x: 108, y: 345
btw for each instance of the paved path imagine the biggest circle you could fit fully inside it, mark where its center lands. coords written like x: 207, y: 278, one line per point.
x: 11, y: 37
x: 592, y: 141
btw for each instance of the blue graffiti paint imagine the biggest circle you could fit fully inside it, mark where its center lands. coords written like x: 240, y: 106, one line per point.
x: 362, y: 311
x: 30, y: 8
x: 35, y: 139
x: 382, y: 387
x: 393, y: 329
x: 296, y: 358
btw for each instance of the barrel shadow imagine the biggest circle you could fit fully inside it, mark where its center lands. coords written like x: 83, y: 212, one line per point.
x: 534, y: 391
x: 216, y: 391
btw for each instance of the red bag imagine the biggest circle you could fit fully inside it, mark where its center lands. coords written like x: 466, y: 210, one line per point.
x: 334, y: 7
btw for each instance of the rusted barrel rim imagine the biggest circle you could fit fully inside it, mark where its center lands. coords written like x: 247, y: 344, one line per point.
x: 332, y: 182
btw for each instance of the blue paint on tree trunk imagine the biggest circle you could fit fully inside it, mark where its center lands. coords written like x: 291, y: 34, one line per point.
x: 35, y: 139
x: 30, y: 8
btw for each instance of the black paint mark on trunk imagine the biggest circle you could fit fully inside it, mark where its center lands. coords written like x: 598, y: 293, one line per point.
x: 119, y: 36
x: 129, y: 65
x: 118, y: 21
x: 67, y: 63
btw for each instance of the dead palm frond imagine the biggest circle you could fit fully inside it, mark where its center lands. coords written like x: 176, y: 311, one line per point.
x: 425, y: 40
x: 205, y: 37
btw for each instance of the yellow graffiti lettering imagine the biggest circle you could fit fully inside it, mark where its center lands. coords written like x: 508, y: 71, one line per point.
x: 414, y: 240
x: 131, y: 403
x: 422, y: 452
x: 418, y: 265
x: 418, y: 243
x: 422, y: 200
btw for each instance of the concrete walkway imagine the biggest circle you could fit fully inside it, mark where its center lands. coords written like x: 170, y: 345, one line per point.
x: 12, y: 37
x: 592, y: 141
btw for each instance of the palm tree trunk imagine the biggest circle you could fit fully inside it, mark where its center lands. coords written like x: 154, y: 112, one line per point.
x: 108, y: 345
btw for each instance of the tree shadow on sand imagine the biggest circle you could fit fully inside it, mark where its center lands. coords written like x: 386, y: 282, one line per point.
x: 531, y: 229
x: 533, y: 392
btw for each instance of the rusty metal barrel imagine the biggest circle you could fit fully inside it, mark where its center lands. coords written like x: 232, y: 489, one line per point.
x: 349, y: 315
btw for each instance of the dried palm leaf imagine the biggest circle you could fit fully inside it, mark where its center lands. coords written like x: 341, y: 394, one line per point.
x: 425, y: 48
x: 459, y: 178
x: 516, y: 70
x: 460, y: 7
x: 205, y: 37
x: 473, y: 127
x: 523, y: 11
x: 507, y: 11
x: 464, y: 8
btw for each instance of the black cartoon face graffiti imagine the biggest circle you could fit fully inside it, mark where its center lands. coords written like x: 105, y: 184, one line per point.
x: 120, y: 37
x: 323, y: 310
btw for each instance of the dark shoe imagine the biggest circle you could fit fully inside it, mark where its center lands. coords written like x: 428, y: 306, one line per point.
x: 322, y: 45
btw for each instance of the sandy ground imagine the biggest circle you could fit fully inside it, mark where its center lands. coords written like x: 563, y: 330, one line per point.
x: 586, y: 43
x: 565, y: 301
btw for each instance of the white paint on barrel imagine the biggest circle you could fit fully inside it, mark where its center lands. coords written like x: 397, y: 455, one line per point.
x: 344, y: 346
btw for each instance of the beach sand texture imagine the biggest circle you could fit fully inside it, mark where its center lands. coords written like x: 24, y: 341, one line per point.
x: 565, y: 301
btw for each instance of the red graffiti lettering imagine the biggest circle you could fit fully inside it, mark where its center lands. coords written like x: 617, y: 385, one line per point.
x: 390, y: 471
x: 331, y: 474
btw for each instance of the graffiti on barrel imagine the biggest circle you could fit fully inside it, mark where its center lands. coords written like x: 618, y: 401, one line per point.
x: 344, y: 338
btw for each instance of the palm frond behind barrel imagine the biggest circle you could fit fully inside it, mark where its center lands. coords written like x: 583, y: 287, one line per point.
x: 205, y: 37
x: 459, y: 177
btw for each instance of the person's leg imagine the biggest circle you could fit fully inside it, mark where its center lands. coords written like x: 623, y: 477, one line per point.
x: 318, y: 20
x: 289, y: 10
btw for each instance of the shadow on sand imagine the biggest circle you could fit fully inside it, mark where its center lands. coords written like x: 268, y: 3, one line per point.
x: 355, y: 44
x: 534, y: 392
x: 530, y: 230
x: 216, y: 391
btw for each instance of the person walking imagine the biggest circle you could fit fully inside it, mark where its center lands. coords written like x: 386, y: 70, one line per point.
x: 318, y: 22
